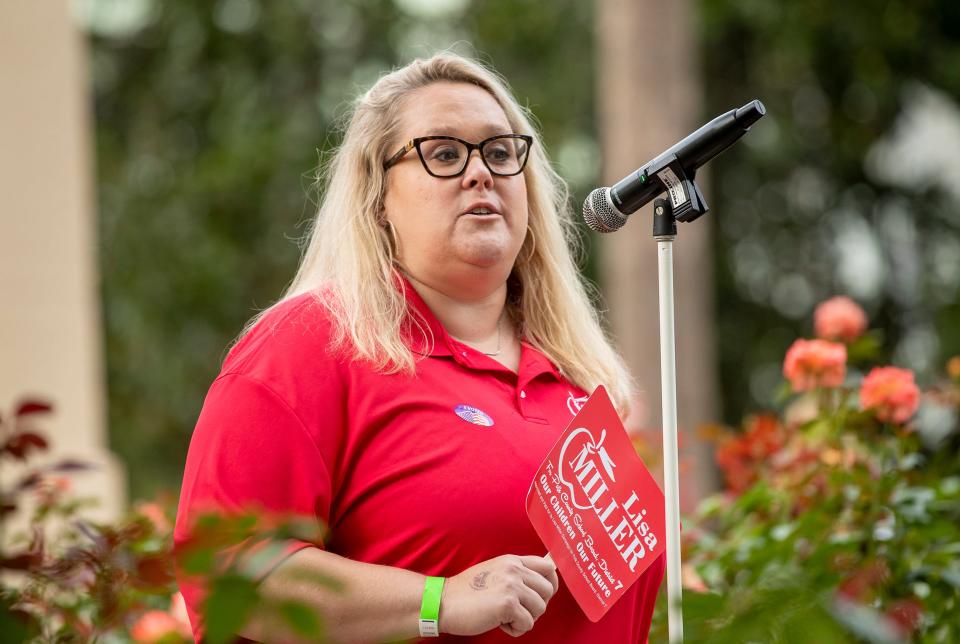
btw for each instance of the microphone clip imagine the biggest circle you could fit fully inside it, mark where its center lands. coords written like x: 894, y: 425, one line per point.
x: 684, y: 195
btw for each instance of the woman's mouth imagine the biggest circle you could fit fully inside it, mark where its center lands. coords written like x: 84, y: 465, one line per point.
x: 481, y: 211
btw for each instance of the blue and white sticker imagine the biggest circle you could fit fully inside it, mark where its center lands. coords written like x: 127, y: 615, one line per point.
x: 473, y: 415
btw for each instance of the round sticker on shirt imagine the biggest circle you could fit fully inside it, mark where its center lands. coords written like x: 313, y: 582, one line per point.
x: 473, y: 415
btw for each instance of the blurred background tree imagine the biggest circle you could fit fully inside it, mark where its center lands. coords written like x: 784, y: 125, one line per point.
x: 848, y: 185
x: 213, y: 117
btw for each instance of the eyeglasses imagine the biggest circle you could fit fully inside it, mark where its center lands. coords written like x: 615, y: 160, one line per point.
x: 445, y: 156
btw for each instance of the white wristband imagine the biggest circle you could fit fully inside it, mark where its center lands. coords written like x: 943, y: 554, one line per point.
x: 429, y: 628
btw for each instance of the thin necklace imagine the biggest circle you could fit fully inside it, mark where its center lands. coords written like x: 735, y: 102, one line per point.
x: 497, y: 352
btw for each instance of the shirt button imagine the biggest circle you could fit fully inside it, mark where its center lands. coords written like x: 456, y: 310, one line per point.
x: 523, y: 394
x: 463, y: 353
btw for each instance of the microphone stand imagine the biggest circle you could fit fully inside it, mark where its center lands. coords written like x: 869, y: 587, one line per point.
x: 664, y: 232
x: 684, y: 203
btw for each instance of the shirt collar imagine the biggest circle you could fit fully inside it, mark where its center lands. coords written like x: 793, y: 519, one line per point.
x: 534, y: 362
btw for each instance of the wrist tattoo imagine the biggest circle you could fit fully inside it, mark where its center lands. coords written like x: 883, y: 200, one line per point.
x: 480, y: 581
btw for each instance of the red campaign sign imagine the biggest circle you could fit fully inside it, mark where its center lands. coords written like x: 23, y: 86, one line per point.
x: 597, y: 508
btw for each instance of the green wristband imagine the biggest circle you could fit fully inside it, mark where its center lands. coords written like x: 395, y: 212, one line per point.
x: 430, y: 607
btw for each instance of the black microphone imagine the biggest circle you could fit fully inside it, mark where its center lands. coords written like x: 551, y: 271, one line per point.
x: 606, y: 209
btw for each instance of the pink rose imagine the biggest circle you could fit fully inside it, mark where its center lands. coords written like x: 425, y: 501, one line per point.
x: 839, y: 318
x: 815, y: 363
x: 890, y: 393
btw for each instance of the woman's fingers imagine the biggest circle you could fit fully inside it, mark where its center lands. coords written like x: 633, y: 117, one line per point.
x: 519, y: 620
x: 532, y: 600
x: 554, y: 580
x: 545, y: 567
x: 537, y: 582
x: 542, y: 565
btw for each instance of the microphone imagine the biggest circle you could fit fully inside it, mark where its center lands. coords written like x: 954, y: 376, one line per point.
x: 606, y: 209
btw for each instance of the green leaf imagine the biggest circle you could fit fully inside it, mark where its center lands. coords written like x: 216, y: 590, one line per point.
x: 16, y: 625
x: 201, y: 561
x: 814, y: 625
x: 711, y: 504
x: 867, y: 347
x: 782, y: 393
x: 230, y: 603
x: 951, y: 575
x: 950, y: 485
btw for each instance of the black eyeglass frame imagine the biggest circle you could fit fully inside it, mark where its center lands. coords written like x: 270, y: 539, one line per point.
x: 415, y: 143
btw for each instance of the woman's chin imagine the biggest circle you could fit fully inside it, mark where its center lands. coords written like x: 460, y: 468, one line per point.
x: 486, y: 253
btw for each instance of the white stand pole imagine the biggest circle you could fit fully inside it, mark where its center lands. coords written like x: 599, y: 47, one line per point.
x: 671, y: 479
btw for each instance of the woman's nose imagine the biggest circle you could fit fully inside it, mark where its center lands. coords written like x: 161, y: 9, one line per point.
x: 477, y: 172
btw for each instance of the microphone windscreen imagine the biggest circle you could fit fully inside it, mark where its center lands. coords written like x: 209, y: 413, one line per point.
x: 600, y: 214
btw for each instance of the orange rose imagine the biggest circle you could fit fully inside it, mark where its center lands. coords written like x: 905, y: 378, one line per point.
x: 763, y: 435
x: 156, y: 514
x: 740, y: 456
x: 953, y: 367
x: 815, y: 363
x: 839, y: 318
x: 154, y: 625
x: 890, y: 393
x: 733, y: 457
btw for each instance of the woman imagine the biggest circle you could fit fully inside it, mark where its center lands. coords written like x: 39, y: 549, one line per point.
x: 431, y: 349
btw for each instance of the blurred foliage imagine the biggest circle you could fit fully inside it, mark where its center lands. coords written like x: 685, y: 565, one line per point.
x: 835, y: 526
x: 68, y: 579
x: 832, y: 192
x: 211, y: 121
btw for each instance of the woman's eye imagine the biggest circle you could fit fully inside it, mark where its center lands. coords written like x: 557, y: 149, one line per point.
x: 498, y: 154
x: 446, y: 154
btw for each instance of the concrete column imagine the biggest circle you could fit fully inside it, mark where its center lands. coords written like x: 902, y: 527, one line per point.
x: 50, y: 331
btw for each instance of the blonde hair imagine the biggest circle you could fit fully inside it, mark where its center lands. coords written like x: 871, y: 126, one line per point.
x: 349, y: 255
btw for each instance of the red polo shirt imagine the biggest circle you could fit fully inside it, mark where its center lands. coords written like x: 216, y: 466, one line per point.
x: 426, y: 472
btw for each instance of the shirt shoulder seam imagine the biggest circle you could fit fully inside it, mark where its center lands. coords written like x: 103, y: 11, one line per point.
x: 280, y: 399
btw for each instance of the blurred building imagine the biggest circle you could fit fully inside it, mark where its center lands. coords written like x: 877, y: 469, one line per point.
x: 50, y: 330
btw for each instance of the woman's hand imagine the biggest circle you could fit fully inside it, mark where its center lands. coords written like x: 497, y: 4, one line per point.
x: 509, y: 591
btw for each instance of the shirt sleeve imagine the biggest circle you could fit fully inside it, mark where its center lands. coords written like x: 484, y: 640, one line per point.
x: 250, y: 452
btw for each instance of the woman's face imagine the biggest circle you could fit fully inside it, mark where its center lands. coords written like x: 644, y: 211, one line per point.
x: 439, y: 243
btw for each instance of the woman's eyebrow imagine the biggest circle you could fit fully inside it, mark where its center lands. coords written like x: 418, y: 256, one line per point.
x: 489, y: 129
